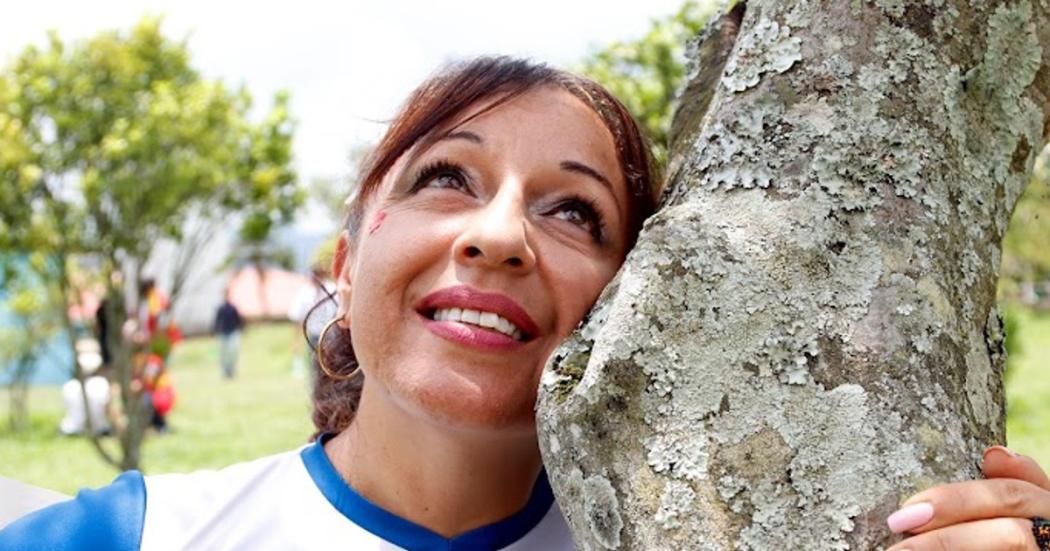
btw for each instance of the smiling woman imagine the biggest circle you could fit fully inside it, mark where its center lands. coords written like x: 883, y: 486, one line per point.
x: 580, y: 197
x: 503, y: 198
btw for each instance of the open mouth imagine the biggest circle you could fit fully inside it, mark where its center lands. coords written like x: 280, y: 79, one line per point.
x: 485, y: 320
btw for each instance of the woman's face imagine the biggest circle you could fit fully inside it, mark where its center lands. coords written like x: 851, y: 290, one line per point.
x: 477, y: 256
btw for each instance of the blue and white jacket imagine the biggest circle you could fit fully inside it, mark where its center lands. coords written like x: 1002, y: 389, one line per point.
x: 292, y: 500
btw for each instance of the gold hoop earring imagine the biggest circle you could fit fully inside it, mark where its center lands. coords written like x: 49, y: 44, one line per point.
x: 320, y: 356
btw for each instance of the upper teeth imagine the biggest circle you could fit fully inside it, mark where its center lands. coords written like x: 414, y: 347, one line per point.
x: 477, y: 317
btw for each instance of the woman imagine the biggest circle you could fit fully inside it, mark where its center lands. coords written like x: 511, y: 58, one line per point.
x: 503, y: 198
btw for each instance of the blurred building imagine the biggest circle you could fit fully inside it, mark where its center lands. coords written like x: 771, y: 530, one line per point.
x: 265, y: 295
x: 269, y: 294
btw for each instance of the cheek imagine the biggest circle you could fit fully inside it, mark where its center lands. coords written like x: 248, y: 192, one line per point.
x: 377, y: 222
x: 579, y: 290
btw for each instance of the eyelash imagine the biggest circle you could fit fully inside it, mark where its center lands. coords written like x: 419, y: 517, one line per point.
x: 436, y: 169
x: 590, y: 213
x: 592, y: 218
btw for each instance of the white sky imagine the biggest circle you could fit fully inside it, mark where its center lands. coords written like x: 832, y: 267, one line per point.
x: 346, y: 64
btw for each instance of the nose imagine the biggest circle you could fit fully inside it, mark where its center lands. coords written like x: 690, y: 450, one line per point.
x: 496, y: 237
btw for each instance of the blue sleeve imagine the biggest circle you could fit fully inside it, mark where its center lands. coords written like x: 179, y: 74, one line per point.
x: 108, y: 518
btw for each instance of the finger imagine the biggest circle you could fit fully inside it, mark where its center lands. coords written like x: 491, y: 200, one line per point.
x: 999, y: 534
x: 1000, y: 462
x: 970, y: 500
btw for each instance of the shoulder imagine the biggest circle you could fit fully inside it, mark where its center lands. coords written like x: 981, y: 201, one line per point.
x: 191, y: 489
x: 108, y: 518
x: 196, y: 510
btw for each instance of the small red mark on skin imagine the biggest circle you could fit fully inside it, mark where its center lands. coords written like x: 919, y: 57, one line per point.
x: 377, y: 221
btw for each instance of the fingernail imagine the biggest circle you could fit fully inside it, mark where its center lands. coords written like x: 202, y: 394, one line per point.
x: 1005, y: 449
x: 910, y: 517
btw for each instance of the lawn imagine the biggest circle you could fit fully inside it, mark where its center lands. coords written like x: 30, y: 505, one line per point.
x: 266, y: 410
x: 215, y: 421
x: 1028, y: 389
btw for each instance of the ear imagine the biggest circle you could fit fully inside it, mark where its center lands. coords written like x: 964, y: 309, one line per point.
x: 342, y: 265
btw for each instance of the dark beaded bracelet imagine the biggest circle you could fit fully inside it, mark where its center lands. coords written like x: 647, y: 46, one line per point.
x: 1041, y: 531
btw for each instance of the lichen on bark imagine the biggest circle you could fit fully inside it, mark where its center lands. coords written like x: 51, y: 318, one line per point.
x: 806, y: 331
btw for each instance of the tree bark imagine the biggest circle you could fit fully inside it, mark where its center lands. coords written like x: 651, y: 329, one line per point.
x: 18, y: 391
x: 806, y: 332
x: 70, y: 295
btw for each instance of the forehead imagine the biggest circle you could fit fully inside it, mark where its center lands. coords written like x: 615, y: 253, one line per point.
x: 545, y: 121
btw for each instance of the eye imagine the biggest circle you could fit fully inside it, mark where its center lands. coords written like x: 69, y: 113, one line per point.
x: 580, y: 212
x: 441, y: 175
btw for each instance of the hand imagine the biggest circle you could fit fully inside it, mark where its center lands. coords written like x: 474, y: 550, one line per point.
x: 990, y: 514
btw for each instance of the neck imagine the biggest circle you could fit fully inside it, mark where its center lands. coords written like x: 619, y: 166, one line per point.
x: 445, y: 479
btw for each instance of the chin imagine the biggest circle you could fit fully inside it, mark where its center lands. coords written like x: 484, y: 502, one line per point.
x: 472, y: 407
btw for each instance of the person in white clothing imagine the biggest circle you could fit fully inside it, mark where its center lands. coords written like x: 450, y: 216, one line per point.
x: 97, y: 389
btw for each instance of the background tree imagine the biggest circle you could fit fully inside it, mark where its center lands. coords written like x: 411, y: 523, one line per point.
x: 32, y: 306
x: 646, y: 73
x: 109, y: 145
x: 1026, y: 247
x: 331, y: 194
x: 806, y: 332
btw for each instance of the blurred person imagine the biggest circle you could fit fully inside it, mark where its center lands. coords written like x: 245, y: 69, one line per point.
x: 158, y: 391
x: 103, y: 328
x: 153, y: 306
x: 155, y: 321
x: 97, y: 389
x: 228, y: 325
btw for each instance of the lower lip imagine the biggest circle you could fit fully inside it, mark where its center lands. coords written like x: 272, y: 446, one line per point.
x: 471, y: 335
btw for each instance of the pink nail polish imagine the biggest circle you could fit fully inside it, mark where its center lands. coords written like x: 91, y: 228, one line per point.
x: 1003, y: 448
x: 910, y: 517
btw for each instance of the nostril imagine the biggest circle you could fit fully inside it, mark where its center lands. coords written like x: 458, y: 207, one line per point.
x: 473, y: 251
x: 515, y: 262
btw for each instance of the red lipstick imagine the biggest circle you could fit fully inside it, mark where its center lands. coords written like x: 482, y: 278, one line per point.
x: 468, y: 298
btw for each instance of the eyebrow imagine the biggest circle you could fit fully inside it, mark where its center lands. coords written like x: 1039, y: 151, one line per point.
x: 578, y: 167
x: 571, y: 166
x: 462, y: 135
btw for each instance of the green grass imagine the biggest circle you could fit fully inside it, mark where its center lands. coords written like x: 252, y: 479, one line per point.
x: 265, y: 410
x: 215, y: 422
x: 1028, y: 389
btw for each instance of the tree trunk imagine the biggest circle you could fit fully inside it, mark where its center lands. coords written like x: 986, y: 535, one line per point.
x: 806, y: 332
x: 70, y: 296
x: 123, y: 350
x: 18, y: 391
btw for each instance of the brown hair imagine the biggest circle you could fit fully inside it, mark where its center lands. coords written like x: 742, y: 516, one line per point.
x: 435, y: 104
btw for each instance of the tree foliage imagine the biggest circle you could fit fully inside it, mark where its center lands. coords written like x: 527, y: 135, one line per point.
x: 1026, y: 245
x: 111, y: 144
x: 646, y: 73
x: 32, y: 308
x: 119, y: 136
